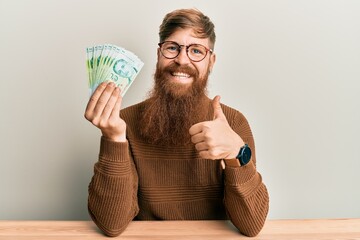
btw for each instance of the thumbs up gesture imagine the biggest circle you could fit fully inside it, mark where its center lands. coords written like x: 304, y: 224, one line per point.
x: 215, y: 139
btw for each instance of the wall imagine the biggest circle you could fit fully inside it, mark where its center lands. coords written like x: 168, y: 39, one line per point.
x: 292, y: 67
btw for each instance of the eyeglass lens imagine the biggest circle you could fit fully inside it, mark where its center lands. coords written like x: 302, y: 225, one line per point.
x: 195, y: 52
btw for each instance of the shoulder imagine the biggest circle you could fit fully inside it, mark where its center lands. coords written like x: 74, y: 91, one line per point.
x: 134, y: 107
x: 233, y: 115
x: 239, y: 124
x: 132, y: 113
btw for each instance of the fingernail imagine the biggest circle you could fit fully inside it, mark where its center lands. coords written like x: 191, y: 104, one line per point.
x: 118, y: 91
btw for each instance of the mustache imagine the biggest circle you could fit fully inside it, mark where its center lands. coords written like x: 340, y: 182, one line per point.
x: 181, y: 68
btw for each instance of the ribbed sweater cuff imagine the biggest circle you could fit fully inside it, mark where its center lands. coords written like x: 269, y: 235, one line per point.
x: 236, y: 176
x: 114, y: 159
x: 114, y: 151
x: 244, y: 179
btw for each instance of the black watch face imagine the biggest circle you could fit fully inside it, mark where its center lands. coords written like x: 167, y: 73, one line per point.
x: 245, y: 156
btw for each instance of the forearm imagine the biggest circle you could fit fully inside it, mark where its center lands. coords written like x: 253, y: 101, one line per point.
x: 112, y: 201
x: 246, y: 199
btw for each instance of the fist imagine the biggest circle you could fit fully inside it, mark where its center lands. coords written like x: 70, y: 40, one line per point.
x: 215, y: 139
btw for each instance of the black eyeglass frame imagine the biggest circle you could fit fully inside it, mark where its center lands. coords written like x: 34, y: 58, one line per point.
x: 187, y: 50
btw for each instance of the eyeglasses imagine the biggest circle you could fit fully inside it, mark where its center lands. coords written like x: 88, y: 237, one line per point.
x: 195, y: 52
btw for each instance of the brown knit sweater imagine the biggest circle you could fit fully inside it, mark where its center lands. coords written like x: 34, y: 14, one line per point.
x: 139, y: 180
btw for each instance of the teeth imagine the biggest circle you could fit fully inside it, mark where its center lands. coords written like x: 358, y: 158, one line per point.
x: 180, y: 74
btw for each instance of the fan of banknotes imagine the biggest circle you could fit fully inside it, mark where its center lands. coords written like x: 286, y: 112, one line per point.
x: 112, y: 63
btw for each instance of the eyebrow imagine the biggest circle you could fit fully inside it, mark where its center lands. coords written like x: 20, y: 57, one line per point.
x: 188, y: 44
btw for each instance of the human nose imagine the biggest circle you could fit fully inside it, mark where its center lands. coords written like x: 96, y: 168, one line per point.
x: 182, y: 58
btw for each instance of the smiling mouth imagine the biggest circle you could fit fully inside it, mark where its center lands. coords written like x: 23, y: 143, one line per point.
x: 180, y: 74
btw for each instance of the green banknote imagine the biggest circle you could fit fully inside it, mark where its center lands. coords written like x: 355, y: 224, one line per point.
x: 111, y: 63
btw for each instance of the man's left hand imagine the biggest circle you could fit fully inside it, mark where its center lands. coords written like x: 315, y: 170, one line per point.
x: 215, y: 139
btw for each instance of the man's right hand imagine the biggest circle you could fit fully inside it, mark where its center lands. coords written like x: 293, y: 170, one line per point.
x: 103, y: 110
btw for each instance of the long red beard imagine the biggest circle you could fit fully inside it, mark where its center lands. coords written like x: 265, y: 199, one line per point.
x: 173, y: 108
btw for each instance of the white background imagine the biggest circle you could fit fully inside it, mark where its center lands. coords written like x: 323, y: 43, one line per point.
x: 292, y: 68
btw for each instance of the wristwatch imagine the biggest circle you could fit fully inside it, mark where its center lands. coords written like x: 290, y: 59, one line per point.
x: 241, y: 159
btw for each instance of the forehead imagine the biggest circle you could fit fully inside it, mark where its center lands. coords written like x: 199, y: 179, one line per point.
x: 187, y: 36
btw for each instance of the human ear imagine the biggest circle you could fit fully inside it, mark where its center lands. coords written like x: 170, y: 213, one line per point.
x: 212, y: 61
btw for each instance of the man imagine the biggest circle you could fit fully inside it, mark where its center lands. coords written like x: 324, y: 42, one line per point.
x: 161, y: 159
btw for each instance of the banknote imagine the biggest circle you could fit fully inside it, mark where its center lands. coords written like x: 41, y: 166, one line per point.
x: 109, y: 62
